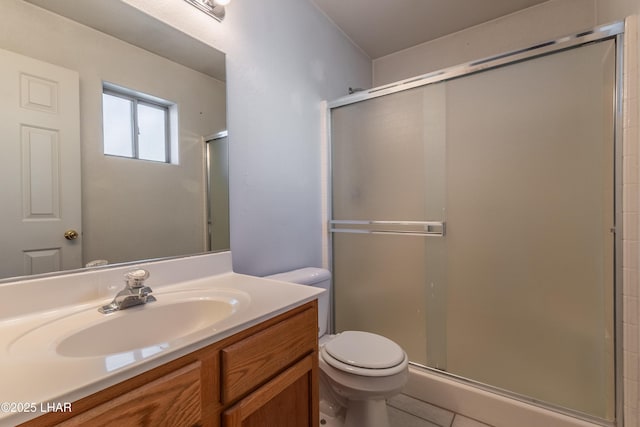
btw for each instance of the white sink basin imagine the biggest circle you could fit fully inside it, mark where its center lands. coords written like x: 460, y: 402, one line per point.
x: 173, y: 317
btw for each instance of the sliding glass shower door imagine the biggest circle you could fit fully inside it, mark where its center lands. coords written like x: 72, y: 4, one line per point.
x: 472, y: 224
x: 387, y: 155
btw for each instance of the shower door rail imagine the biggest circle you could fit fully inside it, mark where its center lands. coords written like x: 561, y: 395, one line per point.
x: 406, y: 228
x: 597, y: 34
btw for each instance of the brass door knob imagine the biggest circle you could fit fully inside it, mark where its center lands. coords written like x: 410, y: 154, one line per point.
x: 71, y: 234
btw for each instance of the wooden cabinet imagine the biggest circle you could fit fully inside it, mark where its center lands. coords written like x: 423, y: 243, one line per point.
x: 282, y: 402
x: 262, y: 355
x: 264, y: 376
x: 173, y: 399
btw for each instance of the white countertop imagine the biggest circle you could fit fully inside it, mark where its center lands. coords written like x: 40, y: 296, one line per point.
x: 32, y: 377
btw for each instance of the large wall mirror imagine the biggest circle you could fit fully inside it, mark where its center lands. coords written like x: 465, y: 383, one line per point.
x: 64, y: 203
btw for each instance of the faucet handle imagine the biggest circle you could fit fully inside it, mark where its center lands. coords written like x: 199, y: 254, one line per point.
x: 136, y: 278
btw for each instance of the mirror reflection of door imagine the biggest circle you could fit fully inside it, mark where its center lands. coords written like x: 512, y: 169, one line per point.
x: 217, y: 156
x: 40, y: 143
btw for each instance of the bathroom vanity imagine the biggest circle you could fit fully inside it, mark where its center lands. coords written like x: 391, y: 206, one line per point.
x: 265, y: 375
x: 256, y: 365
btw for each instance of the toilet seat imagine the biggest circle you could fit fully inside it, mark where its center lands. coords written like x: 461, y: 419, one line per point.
x: 364, y: 353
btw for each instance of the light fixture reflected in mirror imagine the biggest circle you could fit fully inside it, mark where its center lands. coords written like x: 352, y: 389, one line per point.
x: 213, y: 8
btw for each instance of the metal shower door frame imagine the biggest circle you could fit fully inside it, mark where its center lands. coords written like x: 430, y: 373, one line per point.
x: 613, y: 31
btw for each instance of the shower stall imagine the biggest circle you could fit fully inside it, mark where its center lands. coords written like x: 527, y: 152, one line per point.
x: 473, y: 220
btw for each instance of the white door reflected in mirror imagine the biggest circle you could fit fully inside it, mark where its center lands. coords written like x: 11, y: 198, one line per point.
x: 41, y: 145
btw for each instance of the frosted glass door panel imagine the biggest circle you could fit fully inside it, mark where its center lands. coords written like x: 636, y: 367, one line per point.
x: 530, y: 208
x: 379, y: 288
x: 388, y: 160
x: 519, y: 163
x: 387, y: 155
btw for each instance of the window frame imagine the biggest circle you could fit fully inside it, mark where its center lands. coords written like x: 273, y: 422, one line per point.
x: 138, y: 98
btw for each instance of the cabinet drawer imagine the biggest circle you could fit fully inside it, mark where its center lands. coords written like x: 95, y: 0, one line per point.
x: 250, y: 362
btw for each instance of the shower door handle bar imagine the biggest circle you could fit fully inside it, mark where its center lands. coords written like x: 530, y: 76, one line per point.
x: 418, y: 228
x: 403, y: 233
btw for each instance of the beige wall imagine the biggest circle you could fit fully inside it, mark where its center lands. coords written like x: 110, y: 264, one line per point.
x: 131, y: 209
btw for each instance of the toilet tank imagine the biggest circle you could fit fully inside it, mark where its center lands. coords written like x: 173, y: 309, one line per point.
x: 312, y: 276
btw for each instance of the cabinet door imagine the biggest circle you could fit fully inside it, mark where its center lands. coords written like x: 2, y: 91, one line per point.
x: 288, y: 400
x: 173, y: 400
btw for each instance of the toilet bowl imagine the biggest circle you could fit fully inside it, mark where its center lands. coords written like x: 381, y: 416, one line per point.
x: 358, y: 370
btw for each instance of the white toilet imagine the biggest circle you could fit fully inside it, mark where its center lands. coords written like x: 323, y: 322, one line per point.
x: 358, y: 370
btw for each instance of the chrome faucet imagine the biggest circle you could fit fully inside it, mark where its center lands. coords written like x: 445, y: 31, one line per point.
x: 134, y: 293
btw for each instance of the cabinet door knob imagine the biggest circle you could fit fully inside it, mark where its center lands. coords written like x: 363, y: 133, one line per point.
x: 71, y: 234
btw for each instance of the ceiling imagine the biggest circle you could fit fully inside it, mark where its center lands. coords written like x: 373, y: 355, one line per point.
x: 381, y: 27
x: 133, y: 26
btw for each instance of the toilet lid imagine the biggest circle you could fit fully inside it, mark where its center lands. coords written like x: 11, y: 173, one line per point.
x: 365, y: 350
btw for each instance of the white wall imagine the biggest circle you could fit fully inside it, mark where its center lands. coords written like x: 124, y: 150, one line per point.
x: 283, y: 58
x: 614, y: 10
x: 537, y: 24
